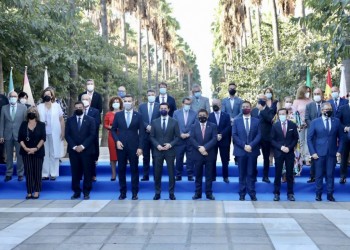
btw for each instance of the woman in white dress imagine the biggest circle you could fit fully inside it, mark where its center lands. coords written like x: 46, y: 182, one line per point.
x: 52, y: 115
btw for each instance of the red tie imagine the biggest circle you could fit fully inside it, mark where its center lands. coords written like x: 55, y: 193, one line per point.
x: 284, y: 129
x: 203, y: 130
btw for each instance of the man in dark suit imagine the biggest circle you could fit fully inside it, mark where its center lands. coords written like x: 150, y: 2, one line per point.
x: 3, y: 101
x: 284, y: 138
x: 185, y: 117
x: 96, y: 98
x: 203, y: 138
x: 265, y: 114
x: 232, y: 104
x: 223, y: 122
x: 322, y: 140
x: 164, y: 136
x: 129, y: 140
x: 344, y: 116
x: 336, y: 100
x: 313, y: 111
x: 164, y: 97
x: 198, y: 101
x: 94, y: 113
x: 80, y: 134
x: 246, y: 136
x: 149, y: 111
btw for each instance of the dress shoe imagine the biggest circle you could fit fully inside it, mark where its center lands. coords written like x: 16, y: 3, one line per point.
x: 113, y: 179
x: 318, y: 197
x: 28, y: 197
x: 291, y: 197
x: 35, y: 197
x: 210, y: 197
x: 122, y: 197
x: 196, y: 197
x: 86, y: 197
x: 242, y: 197
x: 8, y: 178
x: 156, y: 197
x: 190, y: 178
x: 20, y: 178
x: 342, y: 180
x: 75, y: 196
x: 178, y: 178
x: 276, y: 197
x: 172, y: 197
x: 134, y: 197
x: 226, y: 180
x: 330, y: 197
x: 145, y: 178
x: 45, y: 178
x: 253, y: 197
x: 311, y: 180
x: 52, y: 178
x: 266, y: 179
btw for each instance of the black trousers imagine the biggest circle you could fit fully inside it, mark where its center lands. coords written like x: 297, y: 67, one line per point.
x: 205, y: 165
x: 33, y: 167
x: 123, y: 157
x: 158, y: 169
x: 266, y: 148
x: 344, y: 159
x: 288, y: 160
x: 225, y: 158
x: 81, y: 165
x: 147, y: 148
x: 2, y: 156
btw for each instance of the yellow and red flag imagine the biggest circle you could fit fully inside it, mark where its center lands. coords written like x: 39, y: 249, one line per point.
x: 328, y: 90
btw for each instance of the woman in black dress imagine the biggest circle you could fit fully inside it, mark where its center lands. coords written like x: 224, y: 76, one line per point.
x: 32, y: 136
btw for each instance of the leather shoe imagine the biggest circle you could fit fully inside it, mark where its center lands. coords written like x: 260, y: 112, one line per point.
x: 134, y: 197
x: 156, y: 197
x: 190, y: 178
x: 75, y: 196
x: 196, y: 197
x: 253, y: 197
x: 210, y: 197
x: 8, y: 178
x: 20, y: 178
x: 266, y: 179
x: 122, y: 197
x: 145, y: 178
x: 318, y: 197
x: 276, y: 197
x: 330, y: 197
x: 86, y: 197
x: 342, y: 180
x: 45, y: 178
x: 291, y: 197
x: 178, y: 178
x: 226, y: 180
x: 172, y: 197
x: 242, y: 197
x: 311, y: 180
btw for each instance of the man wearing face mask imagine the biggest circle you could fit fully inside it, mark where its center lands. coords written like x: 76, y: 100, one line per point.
x: 313, y: 111
x: 232, y: 104
x: 322, y: 139
x: 128, y: 132
x: 284, y: 138
x: 165, y: 134
x: 246, y: 136
x: 199, y: 101
x: 80, y: 134
x: 223, y: 123
x: 12, y: 116
x: 94, y: 113
x: 96, y: 98
x: 23, y: 98
x: 203, y: 138
x: 121, y: 91
x: 337, y: 101
x: 164, y: 97
x: 149, y: 111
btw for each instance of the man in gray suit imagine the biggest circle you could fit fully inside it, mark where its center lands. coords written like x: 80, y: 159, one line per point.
x: 12, y: 116
x: 198, y: 101
x: 313, y: 111
x: 164, y: 136
x: 232, y: 104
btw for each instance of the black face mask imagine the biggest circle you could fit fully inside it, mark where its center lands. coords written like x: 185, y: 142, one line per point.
x: 262, y: 102
x: 202, y: 119
x: 31, y: 116
x: 232, y: 92
x: 47, y: 98
x: 216, y: 108
x: 328, y: 113
x: 78, y: 112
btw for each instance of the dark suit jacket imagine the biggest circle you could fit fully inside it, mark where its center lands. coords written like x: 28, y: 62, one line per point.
x: 209, y: 141
x: 224, y: 127
x: 265, y: 117
x: 143, y: 110
x: 3, y: 101
x: 342, y: 101
x: 311, y: 112
x: 322, y: 142
x: 131, y: 137
x: 240, y: 137
x: 85, y: 136
x: 344, y: 116
x: 96, y: 101
x: 94, y: 113
x: 171, y: 102
x: 278, y: 140
x: 158, y: 137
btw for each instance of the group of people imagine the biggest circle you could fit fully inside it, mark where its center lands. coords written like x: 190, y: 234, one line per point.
x: 306, y: 130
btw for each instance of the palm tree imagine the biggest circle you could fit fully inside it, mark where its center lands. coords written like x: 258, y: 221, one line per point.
x: 275, y: 31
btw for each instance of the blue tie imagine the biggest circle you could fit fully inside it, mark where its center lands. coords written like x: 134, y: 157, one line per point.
x: 247, y: 128
x: 79, y: 123
x: 164, y: 128
x: 327, y: 125
x: 128, y: 119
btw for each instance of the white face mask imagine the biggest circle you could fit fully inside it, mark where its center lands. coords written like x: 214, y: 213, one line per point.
x: 23, y: 100
x: 128, y: 106
x: 151, y: 98
x: 282, y: 118
x: 335, y: 95
x: 13, y: 100
x: 116, y: 105
x: 288, y: 105
x: 86, y: 103
x: 90, y: 88
x: 162, y: 91
x: 187, y: 107
x: 307, y: 95
x: 317, y: 98
x: 268, y: 95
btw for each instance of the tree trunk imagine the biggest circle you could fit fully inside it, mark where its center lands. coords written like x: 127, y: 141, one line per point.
x: 300, y: 12
x: 73, y: 94
x: 139, y: 62
x: 163, y: 63
x: 124, y: 36
x: 156, y: 66
x: 149, y: 76
x: 1, y: 77
x: 189, y: 83
x: 249, y: 19
x: 258, y: 24
x: 276, y: 39
x: 346, y: 64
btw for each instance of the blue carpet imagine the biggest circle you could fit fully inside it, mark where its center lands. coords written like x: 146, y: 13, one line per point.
x: 104, y: 189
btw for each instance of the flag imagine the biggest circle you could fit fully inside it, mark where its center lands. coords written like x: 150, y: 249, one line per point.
x: 328, y: 91
x: 308, y: 77
x: 27, y: 89
x: 342, y: 86
x: 46, y: 79
x: 11, y: 88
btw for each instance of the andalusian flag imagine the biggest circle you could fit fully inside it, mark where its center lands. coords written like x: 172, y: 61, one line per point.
x: 46, y: 78
x: 342, y: 86
x: 27, y: 89
x: 11, y: 87
x: 328, y: 90
x: 308, y: 77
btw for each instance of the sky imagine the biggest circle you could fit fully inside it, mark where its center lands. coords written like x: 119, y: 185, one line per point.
x: 195, y: 18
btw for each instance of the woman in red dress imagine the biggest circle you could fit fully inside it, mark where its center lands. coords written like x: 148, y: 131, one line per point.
x: 115, y: 105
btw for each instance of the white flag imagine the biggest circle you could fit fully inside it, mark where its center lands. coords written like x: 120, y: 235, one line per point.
x: 27, y: 89
x: 46, y: 78
x: 342, y: 85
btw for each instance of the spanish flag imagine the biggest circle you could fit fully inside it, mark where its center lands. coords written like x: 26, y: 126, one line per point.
x: 328, y: 91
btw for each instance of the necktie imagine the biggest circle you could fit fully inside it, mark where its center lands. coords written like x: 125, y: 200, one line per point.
x: 79, y: 123
x: 163, y: 99
x: 247, y: 127
x: 217, y: 118
x: 203, y: 130
x: 164, y: 126
x: 186, y: 117
x: 335, y: 104
x: 284, y: 129
x: 86, y: 111
x: 13, y: 113
x: 150, y: 112
x: 327, y: 125
x: 318, y: 110
x: 128, y: 119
